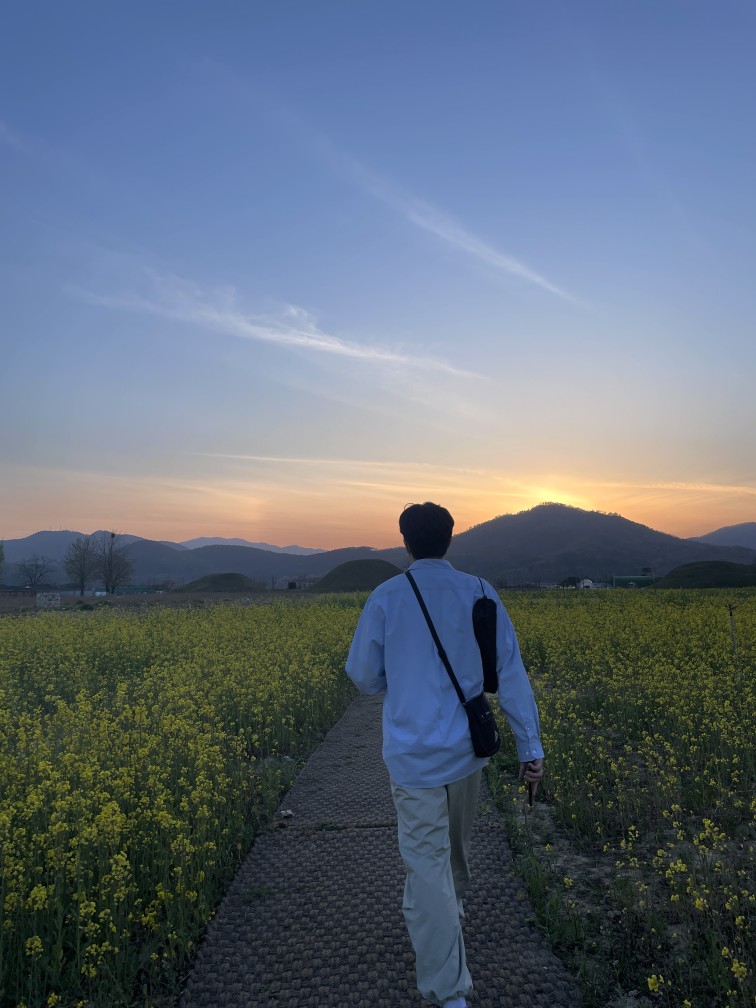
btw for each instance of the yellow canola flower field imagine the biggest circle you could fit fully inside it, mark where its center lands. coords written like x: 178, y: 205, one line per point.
x: 640, y: 861
x: 138, y: 754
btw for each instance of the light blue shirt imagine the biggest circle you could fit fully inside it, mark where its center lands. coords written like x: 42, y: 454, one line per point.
x: 426, y: 736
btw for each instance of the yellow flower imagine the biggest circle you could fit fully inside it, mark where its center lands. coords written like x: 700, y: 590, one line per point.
x: 739, y: 969
x: 34, y: 945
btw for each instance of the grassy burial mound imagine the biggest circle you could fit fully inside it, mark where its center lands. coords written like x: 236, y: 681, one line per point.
x: 710, y: 574
x: 356, y: 575
x: 232, y: 582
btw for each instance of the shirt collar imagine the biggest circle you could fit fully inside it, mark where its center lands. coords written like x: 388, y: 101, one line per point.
x: 429, y: 562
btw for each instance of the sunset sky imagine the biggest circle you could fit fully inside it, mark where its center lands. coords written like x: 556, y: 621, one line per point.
x: 275, y: 269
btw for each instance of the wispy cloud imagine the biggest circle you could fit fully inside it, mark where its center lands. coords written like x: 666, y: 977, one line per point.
x: 399, y: 479
x: 407, y: 478
x: 382, y: 464
x: 447, y: 230
x: 173, y: 298
x: 413, y: 209
x: 441, y: 225
x: 685, y: 487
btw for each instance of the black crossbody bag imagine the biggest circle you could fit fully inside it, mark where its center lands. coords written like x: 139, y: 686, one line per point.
x: 483, y: 728
x: 484, y: 627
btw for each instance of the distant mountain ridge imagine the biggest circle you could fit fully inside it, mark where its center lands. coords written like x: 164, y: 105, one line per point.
x: 219, y: 541
x: 55, y: 544
x: 551, y: 542
x: 731, y: 535
x: 543, y: 545
x: 52, y: 545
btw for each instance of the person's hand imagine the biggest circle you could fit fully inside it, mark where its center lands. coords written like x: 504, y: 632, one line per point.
x: 532, y: 773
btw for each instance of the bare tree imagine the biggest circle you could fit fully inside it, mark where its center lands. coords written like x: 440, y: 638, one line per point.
x: 80, y: 562
x: 113, y: 566
x: 34, y: 570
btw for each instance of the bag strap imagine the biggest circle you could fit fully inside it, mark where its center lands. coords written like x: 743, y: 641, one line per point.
x: 441, y: 653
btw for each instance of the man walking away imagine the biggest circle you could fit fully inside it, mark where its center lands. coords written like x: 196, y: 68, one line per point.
x: 435, y: 775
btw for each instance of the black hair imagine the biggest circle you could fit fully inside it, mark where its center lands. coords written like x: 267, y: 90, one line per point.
x: 427, y: 529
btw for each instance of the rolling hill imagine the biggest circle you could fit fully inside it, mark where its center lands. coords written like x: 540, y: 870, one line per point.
x: 356, y: 575
x: 154, y: 562
x: 542, y: 545
x: 732, y: 535
x: 710, y: 574
x: 52, y: 545
x: 553, y: 541
x: 220, y: 541
x: 223, y: 583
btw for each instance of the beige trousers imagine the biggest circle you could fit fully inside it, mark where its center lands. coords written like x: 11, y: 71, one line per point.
x: 434, y: 840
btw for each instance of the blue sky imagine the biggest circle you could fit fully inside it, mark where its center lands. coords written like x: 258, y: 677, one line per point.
x: 273, y: 270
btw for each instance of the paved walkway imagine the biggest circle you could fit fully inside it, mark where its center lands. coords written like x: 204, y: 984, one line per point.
x: 313, y: 918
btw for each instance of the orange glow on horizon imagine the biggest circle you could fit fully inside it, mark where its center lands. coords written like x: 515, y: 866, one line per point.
x: 313, y: 512
x: 383, y: 532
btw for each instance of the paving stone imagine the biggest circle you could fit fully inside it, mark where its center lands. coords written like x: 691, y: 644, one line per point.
x: 313, y: 918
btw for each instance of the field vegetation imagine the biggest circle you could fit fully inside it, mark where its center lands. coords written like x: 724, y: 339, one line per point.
x: 141, y: 750
x: 139, y: 753
x: 640, y: 858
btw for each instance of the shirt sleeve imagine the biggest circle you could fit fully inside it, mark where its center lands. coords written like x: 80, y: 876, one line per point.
x: 515, y: 694
x: 365, y: 663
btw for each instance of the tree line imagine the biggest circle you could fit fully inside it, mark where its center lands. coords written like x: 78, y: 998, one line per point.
x: 88, y: 559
